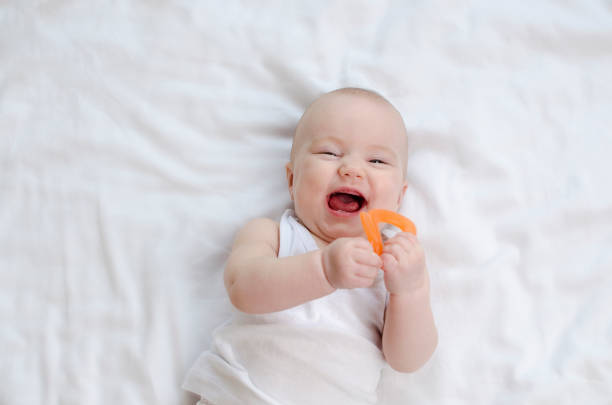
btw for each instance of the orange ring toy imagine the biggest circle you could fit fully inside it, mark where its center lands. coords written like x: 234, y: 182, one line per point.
x: 370, y: 221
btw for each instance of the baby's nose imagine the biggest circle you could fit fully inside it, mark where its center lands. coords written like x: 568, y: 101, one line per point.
x: 350, y: 170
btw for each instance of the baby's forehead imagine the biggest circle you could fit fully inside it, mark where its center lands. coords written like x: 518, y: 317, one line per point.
x: 345, y: 108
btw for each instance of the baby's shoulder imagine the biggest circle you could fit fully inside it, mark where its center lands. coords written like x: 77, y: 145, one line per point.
x: 257, y: 231
x: 259, y: 225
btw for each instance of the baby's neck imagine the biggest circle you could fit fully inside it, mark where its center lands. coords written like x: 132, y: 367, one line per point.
x: 320, y: 242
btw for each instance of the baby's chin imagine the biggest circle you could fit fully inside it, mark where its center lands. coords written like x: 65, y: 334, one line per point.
x: 347, y: 232
x: 325, y: 233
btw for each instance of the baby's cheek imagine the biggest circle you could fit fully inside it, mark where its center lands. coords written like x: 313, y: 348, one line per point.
x: 388, y: 195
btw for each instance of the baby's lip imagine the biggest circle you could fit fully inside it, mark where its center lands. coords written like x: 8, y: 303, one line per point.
x: 349, y: 190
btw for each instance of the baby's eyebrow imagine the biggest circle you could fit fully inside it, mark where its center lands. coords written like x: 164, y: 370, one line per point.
x: 383, y: 148
x: 339, y: 141
x: 327, y: 138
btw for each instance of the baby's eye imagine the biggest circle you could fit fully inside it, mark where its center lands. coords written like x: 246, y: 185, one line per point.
x: 377, y: 161
x: 327, y: 153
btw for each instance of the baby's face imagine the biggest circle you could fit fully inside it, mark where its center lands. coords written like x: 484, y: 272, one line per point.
x: 349, y: 155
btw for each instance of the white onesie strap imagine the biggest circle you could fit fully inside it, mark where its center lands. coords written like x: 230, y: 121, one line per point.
x: 293, y: 237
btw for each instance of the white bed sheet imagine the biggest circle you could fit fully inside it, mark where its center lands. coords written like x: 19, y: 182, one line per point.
x: 136, y: 138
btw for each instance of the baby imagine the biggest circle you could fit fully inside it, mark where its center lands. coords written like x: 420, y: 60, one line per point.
x: 317, y: 318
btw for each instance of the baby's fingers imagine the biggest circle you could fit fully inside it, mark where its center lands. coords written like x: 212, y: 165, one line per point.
x: 403, y: 239
x: 366, y: 275
x: 390, y: 263
x: 398, y: 250
x: 368, y: 258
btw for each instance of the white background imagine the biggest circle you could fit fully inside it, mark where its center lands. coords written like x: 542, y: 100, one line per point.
x: 137, y: 137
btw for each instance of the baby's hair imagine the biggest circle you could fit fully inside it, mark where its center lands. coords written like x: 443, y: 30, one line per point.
x: 359, y: 91
x: 355, y: 91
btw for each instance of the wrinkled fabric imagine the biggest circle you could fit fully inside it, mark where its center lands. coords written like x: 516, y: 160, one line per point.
x: 136, y: 138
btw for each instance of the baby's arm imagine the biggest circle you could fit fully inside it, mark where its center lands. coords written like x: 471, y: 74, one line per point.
x: 258, y: 281
x: 409, y: 335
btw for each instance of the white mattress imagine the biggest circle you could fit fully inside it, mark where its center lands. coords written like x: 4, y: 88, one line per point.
x: 137, y: 138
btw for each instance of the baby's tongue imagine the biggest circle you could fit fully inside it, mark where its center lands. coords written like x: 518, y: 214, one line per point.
x: 344, y: 202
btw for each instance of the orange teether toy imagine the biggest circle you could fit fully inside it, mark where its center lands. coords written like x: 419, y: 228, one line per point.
x: 370, y: 221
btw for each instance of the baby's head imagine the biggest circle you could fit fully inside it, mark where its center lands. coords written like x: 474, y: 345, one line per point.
x: 349, y: 154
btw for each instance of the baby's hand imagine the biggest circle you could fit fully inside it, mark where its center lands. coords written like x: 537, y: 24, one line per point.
x: 404, y: 264
x: 350, y: 263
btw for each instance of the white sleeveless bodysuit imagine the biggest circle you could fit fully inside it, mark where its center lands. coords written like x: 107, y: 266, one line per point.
x: 326, y: 351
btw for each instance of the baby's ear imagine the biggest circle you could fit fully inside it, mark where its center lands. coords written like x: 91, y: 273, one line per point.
x: 289, y: 169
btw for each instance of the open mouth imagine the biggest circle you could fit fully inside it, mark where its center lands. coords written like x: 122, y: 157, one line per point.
x: 346, y: 201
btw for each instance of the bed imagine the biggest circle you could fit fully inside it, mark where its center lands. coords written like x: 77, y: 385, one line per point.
x: 137, y: 137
